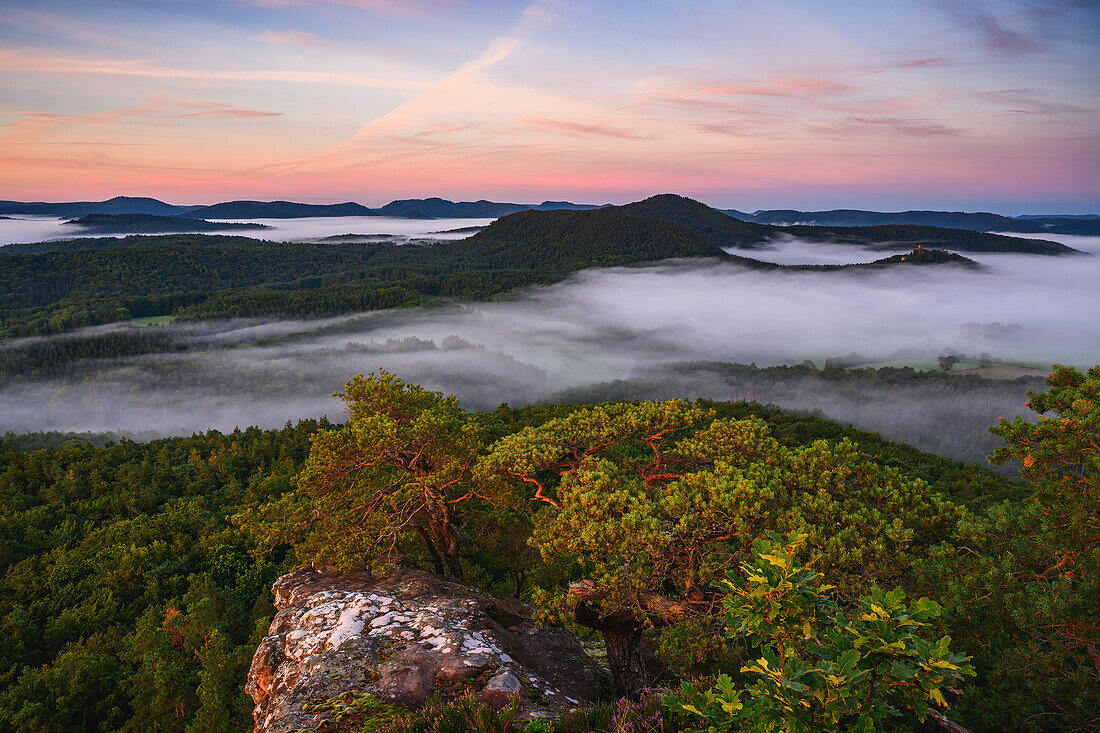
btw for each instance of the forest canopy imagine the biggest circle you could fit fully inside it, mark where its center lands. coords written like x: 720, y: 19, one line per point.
x: 136, y: 575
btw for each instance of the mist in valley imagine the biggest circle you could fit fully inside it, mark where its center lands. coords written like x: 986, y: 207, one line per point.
x: 630, y: 331
x: 21, y: 228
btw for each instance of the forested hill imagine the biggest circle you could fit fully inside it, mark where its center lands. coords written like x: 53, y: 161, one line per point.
x: 723, y: 230
x: 716, y: 227
x: 52, y: 287
x: 151, y: 224
x: 974, y: 221
x: 427, y: 208
x: 276, y: 210
x: 116, y: 205
x: 978, y: 222
x: 955, y: 239
x: 570, y: 240
x: 921, y: 256
x: 66, y: 285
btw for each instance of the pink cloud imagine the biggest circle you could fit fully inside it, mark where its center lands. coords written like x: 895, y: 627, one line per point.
x: 16, y: 60
x: 938, y: 61
x: 293, y: 38
x: 580, y: 129
x: 163, y: 109
x: 392, y: 7
x: 893, y: 126
x: 230, y: 113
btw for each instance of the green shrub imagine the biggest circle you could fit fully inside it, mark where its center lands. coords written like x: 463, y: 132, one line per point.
x: 821, y: 668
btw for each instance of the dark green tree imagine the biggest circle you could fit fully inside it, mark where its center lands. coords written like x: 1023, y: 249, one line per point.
x: 651, y: 511
x: 401, y: 468
x: 1027, y: 584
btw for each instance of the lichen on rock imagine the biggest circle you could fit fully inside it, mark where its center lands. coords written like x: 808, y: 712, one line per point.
x: 402, y: 638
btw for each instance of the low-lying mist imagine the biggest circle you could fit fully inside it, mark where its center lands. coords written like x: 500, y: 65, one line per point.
x: 44, y: 228
x: 633, y: 324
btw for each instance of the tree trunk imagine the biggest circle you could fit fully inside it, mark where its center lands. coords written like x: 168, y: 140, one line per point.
x: 518, y: 578
x: 625, y: 658
x: 448, y: 546
x: 633, y: 666
x: 454, y: 566
x: 622, y: 637
x: 445, y: 542
x: 437, y: 561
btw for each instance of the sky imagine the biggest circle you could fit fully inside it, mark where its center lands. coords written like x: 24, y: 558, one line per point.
x: 888, y: 104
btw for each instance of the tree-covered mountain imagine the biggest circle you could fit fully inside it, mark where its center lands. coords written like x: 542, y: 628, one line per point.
x: 976, y: 221
x: 276, y: 210
x: 151, y: 224
x: 922, y: 256
x: 116, y: 205
x: 54, y: 286
x: 564, y: 241
x: 960, y: 240
x: 917, y: 257
x: 430, y: 208
x: 1081, y: 226
x: 437, y: 208
x: 655, y: 207
x: 714, y: 226
x: 724, y: 230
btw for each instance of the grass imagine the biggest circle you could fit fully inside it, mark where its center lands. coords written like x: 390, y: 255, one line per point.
x: 152, y: 320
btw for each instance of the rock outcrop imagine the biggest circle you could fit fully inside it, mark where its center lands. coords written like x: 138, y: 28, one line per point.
x: 401, y: 638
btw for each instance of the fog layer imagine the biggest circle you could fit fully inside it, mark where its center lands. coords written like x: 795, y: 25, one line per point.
x: 41, y: 229
x: 619, y: 323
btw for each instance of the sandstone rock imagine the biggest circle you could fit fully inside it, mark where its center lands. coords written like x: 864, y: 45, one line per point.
x: 401, y: 638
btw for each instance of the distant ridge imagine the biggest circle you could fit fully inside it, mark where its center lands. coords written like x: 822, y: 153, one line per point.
x: 977, y: 222
x: 277, y: 210
x: 117, y: 205
x: 714, y: 230
x: 437, y: 208
x: 59, y: 285
x: 1069, y: 225
x: 430, y: 208
x: 959, y: 240
x: 659, y: 207
x: 151, y: 224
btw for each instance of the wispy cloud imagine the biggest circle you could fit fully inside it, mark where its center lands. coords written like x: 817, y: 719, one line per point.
x: 893, y: 126
x: 293, y: 38
x: 437, y: 98
x: 15, y: 60
x: 393, y: 7
x: 162, y: 109
x: 580, y: 129
x: 60, y: 26
x: 389, y: 98
x: 993, y: 31
x: 1033, y: 102
x: 230, y: 113
x: 937, y: 61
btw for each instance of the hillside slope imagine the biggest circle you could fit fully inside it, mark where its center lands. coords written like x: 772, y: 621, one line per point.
x: 959, y: 240
x: 151, y: 224
x: 570, y: 240
x: 980, y: 221
x: 277, y: 210
x: 117, y: 205
x: 714, y: 226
